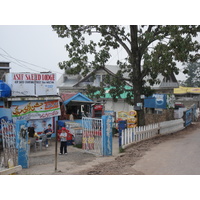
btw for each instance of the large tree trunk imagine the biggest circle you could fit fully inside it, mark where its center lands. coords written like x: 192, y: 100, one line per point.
x: 137, y: 89
x: 135, y: 60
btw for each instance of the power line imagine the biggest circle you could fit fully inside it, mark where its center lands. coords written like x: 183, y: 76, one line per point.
x: 22, y: 65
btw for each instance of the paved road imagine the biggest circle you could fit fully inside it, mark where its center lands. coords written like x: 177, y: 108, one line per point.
x: 180, y: 156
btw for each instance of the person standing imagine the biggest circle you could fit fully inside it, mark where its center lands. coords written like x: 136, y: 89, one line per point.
x: 63, y: 141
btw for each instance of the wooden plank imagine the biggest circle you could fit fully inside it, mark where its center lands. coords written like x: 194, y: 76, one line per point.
x: 11, y: 170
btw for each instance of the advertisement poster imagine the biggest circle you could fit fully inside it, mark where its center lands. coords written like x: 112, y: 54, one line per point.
x: 36, y: 110
x: 156, y: 101
x: 40, y: 124
x: 130, y: 116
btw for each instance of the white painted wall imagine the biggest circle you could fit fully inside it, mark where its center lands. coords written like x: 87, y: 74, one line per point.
x: 118, y: 106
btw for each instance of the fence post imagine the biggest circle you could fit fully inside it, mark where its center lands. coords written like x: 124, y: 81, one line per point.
x: 22, y: 143
x: 107, y: 135
x: 121, y: 126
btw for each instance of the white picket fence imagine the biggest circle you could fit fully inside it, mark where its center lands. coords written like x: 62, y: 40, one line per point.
x: 133, y: 135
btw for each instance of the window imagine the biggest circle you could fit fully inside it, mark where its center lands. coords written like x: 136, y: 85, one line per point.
x: 99, y: 79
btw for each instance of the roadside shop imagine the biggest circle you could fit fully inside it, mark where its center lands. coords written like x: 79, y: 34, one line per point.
x: 32, y: 102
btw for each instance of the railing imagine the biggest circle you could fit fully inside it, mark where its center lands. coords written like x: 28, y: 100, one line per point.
x: 133, y: 135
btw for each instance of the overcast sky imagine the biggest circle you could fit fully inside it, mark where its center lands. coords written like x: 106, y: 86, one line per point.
x: 37, y: 45
x: 36, y: 48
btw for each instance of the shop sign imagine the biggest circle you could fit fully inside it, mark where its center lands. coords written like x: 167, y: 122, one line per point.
x: 32, y: 84
x: 45, y: 84
x: 130, y: 116
x: 36, y: 110
x: 98, y: 107
x: 156, y: 101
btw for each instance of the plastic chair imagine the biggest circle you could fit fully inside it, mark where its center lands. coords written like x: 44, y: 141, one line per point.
x: 42, y: 141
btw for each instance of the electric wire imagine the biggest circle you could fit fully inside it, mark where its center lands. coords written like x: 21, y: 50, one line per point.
x: 20, y: 62
x: 23, y: 66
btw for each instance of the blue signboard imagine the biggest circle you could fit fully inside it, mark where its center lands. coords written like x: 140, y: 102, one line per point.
x: 156, y: 101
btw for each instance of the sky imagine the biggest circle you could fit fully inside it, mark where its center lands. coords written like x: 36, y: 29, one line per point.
x: 38, y: 45
x: 37, y: 48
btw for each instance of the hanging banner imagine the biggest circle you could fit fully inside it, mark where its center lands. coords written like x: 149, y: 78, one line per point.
x: 36, y: 110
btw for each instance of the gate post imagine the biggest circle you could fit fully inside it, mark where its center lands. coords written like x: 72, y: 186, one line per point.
x: 107, y: 135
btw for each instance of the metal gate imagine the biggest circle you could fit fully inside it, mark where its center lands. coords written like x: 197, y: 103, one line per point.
x: 92, y: 135
x: 9, y: 155
x: 97, y: 135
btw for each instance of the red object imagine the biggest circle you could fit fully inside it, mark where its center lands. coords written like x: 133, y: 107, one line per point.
x: 63, y: 128
x: 98, y: 107
x: 69, y: 135
x: 91, y: 133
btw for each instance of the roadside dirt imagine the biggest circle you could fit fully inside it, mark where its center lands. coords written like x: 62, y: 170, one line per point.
x: 79, y: 163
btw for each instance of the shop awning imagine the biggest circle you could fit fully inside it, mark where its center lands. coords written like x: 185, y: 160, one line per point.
x: 185, y: 90
x: 75, y: 99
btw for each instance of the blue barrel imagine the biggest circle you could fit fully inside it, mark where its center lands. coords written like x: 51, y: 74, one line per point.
x: 5, y: 90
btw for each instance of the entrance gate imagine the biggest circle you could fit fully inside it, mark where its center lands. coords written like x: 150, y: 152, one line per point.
x: 10, y: 154
x: 15, y: 144
x: 97, y: 135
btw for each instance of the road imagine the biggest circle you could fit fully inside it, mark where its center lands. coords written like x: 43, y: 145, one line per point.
x: 180, y: 156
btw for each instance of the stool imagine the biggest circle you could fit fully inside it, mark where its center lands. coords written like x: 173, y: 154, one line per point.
x: 40, y: 143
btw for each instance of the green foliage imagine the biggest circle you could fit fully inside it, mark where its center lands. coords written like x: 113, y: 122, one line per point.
x: 193, y: 75
x: 151, y: 50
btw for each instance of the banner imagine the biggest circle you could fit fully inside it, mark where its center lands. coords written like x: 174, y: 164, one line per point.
x: 36, y: 110
x: 156, y: 101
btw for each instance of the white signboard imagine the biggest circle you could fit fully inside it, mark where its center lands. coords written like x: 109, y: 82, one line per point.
x: 45, y: 84
x: 21, y: 84
x: 32, y: 84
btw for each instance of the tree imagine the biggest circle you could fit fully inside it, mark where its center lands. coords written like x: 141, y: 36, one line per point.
x: 150, y: 50
x: 193, y: 75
